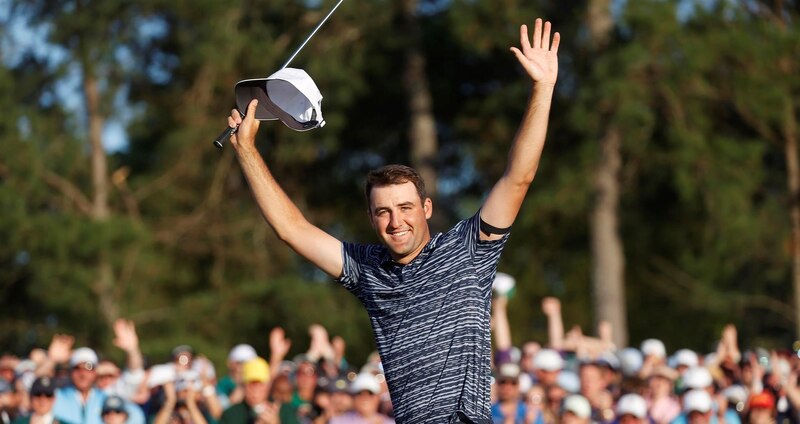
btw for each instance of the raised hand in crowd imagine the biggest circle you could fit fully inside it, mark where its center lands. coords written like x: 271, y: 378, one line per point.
x: 164, y: 414
x: 57, y: 353
x: 279, y: 346
x: 125, y: 338
x: 320, y: 347
x: 551, y: 307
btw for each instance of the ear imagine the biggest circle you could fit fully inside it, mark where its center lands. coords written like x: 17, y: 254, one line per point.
x: 427, y: 205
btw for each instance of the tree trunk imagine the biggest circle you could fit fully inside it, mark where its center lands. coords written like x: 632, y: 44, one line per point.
x: 422, y: 131
x: 608, y: 255
x: 104, y: 283
x: 793, y: 182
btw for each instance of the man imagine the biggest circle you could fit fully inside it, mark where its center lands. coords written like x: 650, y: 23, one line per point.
x: 42, y: 394
x: 80, y: 401
x: 510, y: 407
x: 428, y: 298
x: 255, y: 407
x: 113, y: 411
x: 228, y: 387
x: 632, y: 409
x: 366, y: 391
x: 576, y: 410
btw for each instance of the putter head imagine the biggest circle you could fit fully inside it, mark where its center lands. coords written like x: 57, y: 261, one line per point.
x: 289, y: 95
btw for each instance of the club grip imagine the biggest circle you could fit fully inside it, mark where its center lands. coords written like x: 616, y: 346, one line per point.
x: 223, y: 136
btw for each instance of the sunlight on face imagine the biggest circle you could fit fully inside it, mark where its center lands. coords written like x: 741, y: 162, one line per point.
x: 400, y: 219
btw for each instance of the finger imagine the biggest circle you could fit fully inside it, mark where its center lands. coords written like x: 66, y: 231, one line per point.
x: 251, y: 111
x: 537, y: 34
x: 556, y: 42
x: 546, y: 36
x: 237, y: 117
x: 231, y: 122
x: 524, y: 40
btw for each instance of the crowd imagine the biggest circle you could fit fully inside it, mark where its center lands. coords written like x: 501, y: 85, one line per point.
x: 571, y: 378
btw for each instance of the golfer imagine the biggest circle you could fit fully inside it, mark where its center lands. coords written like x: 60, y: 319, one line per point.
x: 428, y: 297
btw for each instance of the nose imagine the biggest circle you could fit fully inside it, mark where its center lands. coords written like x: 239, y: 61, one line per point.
x: 394, y: 220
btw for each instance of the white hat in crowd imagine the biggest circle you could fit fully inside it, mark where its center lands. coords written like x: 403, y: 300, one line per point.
x: 632, y: 404
x: 684, y: 357
x: 654, y: 347
x: 548, y: 360
x: 577, y: 405
x: 242, y: 353
x: 697, y: 378
x: 569, y: 381
x: 630, y: 360
x: 83, y: 355
x: 696, y: 400
x: 366, y: 381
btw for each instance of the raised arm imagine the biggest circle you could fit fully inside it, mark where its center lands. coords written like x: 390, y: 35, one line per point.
x: 540, y: 61
x: 309, y: 241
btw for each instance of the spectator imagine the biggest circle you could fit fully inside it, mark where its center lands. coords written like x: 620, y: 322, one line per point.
x: 42, y: 398
x: 576, y: 410
x: 8, y: 402
x: 229, y: 387
x: 510, y: 407
x: 664, y: 406
x: 255, y: 405
x: 631, y: 409
x: 761, y: 409
x: 366, y: 389
x: 175, y: 410
x: 305, y: 384
x: 697, y: 408
x: 536, y: 406
x: 113, y: 411
x: 80, y: 401
x: 547, y: 364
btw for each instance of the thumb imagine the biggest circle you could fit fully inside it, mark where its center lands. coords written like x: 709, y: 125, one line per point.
x: 251, y: 110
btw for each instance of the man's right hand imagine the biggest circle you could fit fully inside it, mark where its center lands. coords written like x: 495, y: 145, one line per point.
x: 245, y: 136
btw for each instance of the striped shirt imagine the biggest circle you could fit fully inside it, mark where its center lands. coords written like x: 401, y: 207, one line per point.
x: 431, y: 321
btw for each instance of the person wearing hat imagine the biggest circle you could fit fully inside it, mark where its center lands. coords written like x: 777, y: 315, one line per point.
x: 510, y: 406
x: 9, y: 405
x: 114, y: 411
x: 366, y: 391
x: 631, y: 409
x: 426, y: 295
x: 255, y: 406
x: 663, y: 404
x: 80, y: 401
x: 576, y: 410
x: 698, y: 408
x: 761, y: 408
x: 228, y: 387
x: 42, y: 397
x: 699, y: 378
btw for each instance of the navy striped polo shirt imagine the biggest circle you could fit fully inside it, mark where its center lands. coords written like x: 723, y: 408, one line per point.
x: 431, y: 321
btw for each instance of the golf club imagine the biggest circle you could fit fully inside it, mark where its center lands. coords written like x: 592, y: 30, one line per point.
x: 224, y: 135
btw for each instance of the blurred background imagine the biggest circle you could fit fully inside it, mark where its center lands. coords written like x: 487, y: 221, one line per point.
x: 666, y: 202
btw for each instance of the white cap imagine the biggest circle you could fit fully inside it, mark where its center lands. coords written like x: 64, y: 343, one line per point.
x: 631, y: 360
x: 569, y: 381
x: 161, y: 374
x: 578, y: 405
x: 735, y: 393
x: 509, y: 370
x: 654, y: 347
x: 632, y: 404
x: 503, y: 283
x: 366, y: 381
x: 697, y: 378
x: 242, y: 353
x: 696, y: 400
x: 289, y: 95
x: 684, y: 357
x: 548, y: 360
x: 83, y: 355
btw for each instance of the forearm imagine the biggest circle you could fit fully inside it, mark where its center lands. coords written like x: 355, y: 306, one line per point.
x: 526, y: 151
x: 165, y: 413
x: 502, y: 329
x: 555, y: 331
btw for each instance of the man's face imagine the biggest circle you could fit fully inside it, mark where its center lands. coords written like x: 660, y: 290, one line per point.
x: 591, y: 380
x: 306, y: 376
x: 83, y: 376
x: 255, y: 392
x: 508, y: 389
x: 697, y: 417
x: 107, y: 374
x: 629, y: 419
x: 115, y: 417
x: 400, y: 218
x: 41, y: 404
x: 366, y: 403
x: 341, y: 402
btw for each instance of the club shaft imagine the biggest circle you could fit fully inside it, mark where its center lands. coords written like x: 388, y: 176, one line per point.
x: 319, y: 25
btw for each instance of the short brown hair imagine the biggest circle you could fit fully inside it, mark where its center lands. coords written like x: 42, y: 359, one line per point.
x: 394, y: 174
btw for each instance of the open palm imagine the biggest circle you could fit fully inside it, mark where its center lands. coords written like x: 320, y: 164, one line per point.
x: 539, y: 57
